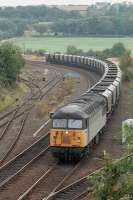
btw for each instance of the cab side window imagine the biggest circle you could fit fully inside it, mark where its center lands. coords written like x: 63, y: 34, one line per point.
x: 86, y: 123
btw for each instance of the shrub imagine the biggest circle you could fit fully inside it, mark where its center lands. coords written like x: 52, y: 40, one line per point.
x: 11, y: 63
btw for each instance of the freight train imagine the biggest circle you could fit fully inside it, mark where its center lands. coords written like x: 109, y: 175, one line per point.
x: 78, y: 125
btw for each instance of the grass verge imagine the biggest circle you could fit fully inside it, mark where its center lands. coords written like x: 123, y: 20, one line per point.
x: 9, y: 96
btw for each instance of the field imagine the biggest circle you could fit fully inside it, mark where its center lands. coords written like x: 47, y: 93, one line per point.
x: 59, y: 44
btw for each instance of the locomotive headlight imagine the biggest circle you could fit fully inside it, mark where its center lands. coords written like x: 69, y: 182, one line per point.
x: 66, y: 132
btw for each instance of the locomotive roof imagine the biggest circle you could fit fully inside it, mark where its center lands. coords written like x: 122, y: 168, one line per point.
x: 80, y: 108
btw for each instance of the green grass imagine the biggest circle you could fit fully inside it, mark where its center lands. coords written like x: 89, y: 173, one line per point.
x: 8, y: 96
x: 59, y: 44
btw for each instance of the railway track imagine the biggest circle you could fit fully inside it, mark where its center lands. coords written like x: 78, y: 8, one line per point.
x: 18, y: 134
x: 43, y: 176
x: 21, y: 112
x: 32, y: 97
x: 11, y: 169
x: 79, y: 189
x: 49, y: 182
x: 28, y: 175
x: 8, y: 124
x: 18, y: 165
x: 73, y: 191
x: 37, y: 94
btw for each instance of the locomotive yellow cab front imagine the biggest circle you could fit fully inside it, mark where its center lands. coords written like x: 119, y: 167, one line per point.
x: 67, y: 138
x: 75, y: 126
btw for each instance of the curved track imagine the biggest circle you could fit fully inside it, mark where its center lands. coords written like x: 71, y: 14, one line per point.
x: 38, y: 95
x: 13, y: 169
x: 16, y: 168
x: 50, y: 181
x: 71, y: 192
x: 47, y: 91
x: 17, y: 117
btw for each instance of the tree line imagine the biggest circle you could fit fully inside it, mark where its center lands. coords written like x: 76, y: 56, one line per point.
x: 111, y: 20
x: 117, y: 50
x: 108, y: 20
x: 15, y: 20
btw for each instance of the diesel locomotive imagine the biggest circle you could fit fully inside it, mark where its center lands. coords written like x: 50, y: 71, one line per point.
x: 78, y: 125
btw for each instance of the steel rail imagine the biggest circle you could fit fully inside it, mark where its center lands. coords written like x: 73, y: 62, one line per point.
x: 16, y: 139
x: 14, y: 166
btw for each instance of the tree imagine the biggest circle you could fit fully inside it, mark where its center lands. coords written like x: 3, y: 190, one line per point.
x: 126, y: 64
x: 127, y: 134
x: 11, y: 63
x: 114, y: 181
x: 108, y: 20
x: 72, y: 50
x: 41, y: 28
x: 118, y: 49
x: 7, y: 27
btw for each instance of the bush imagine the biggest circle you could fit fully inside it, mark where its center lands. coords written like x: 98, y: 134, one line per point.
x: 116, y: 51
x: 114, y: 182
x: 11, y: 63
x: 72, y: 50
x: 127, y: 133
x: 126, y: 64
x: 128, y: 75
